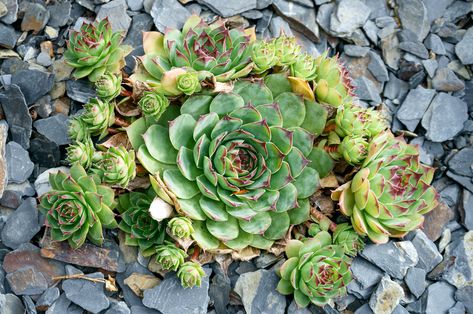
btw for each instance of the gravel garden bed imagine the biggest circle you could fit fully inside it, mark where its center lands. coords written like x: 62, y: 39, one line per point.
x: 409, y: 62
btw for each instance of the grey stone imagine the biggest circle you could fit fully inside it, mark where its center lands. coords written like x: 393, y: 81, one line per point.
x: 19, y: 164
x: 439, y: 297
x: 139, y: 309
x: 262, y: 4
x: 391, y: 52
x: 323, y: 16
x: 230, y: 7
x: 60, y: 306
x: 365, y: 273
x: 366, y: 90
x: 115, y: 11
x: 60, y: 13
x: 445, y: 117
x: 278, y: 25
x: 80, y: 90
x: 11, y: 304
x: 457, y: 67
x: 436, y: 8
x: 415, y: 280
x: 33, y: 83
x: 118, y: 308
x: 355, y: 51
x: 135, y: 5
x: 263, y: 23
x: 371, y: 31
x: 386, y: 297
x: 429, y: 256
x: 377, y: 67
x: 460, y: 272
x: 252, y: 15
x: 22, y: 225
x: 170, y: 14
x: 44, y: 152
x: 348, y: 16
x: 170, y: 297
x: 35, y: 18
x: 395, y: 258
x: 463, y: 48
x: 258, y: 293
x: 29, y: 305
x: 414, y: 106
x: 47, y: 298
x: 87, y: 294
x: 130, y: 297
x: 12, y: 7
x: 464, y: 295
x: 219, y: 292
x: 385, y: 21
x: 295, y: 309
x: 430, y: 66
x: 434, y: 43
x: 364, y: 309
x: 27, y: 281
x: 8, y: 36
x: 415, y: 48
x: 355, y: 288
x: 301, y: 18
x: 395, y: 89
x: 461, y: 162
x: 459, y: 307
x: 17, y: 115
x: 3, y: 162
x: 446, y: 81
x: 400, y: 310
x: 467, y: 209
x: 466, y: 182
x: 414, y: 16
x: 54, y: 128
x: 44, y: 59
x: 458, y: 10
x: 266, y: 260
x: 140, y: 23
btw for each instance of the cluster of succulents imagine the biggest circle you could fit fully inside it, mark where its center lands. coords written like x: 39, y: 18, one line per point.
x: 234, y: 134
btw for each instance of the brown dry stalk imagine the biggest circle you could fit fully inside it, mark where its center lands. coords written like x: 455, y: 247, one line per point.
x: 319, y: 216
x: 78, y: 276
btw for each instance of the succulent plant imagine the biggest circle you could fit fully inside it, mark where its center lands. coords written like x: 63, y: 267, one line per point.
x: 240, y: 164
x: 333, y: 85
x: 140, y: 228
x: 346, y: 236
x: 77, y: 130
x: 353, y: 149
x: 108, y: 86
x: 180, y: 227
x: 116, y: 166
x: 352, y: 120
x: 315, y: 271
x: 390, y: 193
x: 81, y: 153
x: 99, y: 115
x: 95, y: 50
x: 77, y: 207
x: 153, y: 104
x: 287, y: 50
x: 191, y: 274
x: 263, y: 55
x: 305, y: 67
x: 198, y: 46
x: 188, y: 83
x: 169, y: 256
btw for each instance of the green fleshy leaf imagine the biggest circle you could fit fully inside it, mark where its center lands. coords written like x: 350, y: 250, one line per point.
x: 320, y: 161
x: 206, y: 188
x: 196, y: 106
x: 292, y: 109
x: 279, y: 226
x: 282, y: 138
x: 179, y: 185
x: 151, y: 164
x: 223, y: 230
x: 307, y: 182
x: 287, y: 198
x: 271, y: 113
x: 247, y: 114
x: 191, y: 208
x: 255, y: 94
x: 243, y: 240
x: 159, y: 145
x: 278, y: 83
x: 223, y: 104
x: 185, y: 162
x: 301, y: 213
x: 205, y: 124
x: 181, y: 130
x: 303, y: 140
x: 297, y: 162
x: 281, y: 178
x: 256, y: 225
x: 261, y: 242
x: 135, y: 132
x: 203, y: 237
x: 315, y: 118
x: 95, y: 234
x: 213, y: 209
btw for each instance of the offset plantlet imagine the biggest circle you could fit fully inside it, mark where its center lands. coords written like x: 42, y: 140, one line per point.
x: 240, y: 164
x: 346, y: 237
x: 78, y: 130
x: 356, y: 121
x: 390, y: 193
x: 140, y: 228
x: 188, y: 83
x: 153, y: 104
x: 354, y: 149
x: 287, y: 50
x: 109, y: 86
x: 99, y: 115
x: 116, y: 166
x: 213, y: 49
x: 263, y: 54
x: 95, y: 50
x: 191, y: 274
x: 180, y: 227
x: 316, y: 270
x: 81, y: 153
x: 305, y: 67
x: 77, y: 207
x: 170, y: 257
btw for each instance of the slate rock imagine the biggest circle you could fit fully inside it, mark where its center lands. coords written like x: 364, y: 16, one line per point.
x: 364, y: 309
x: 463, y: 47
x: 377, y: 67
x: 139, y: 309
x: 463, y: 295
x: 30, y: 307
x: 22, y: 225
x: 12, y: 11
x: 427, y: 251
x: 390, y: 49
x: 445, y: 117
x: 230, y: 7
x: 54, y: 128
x: 467, y: 209
x: 366, y: 90
x: 446, y: 81
x: 430, y: 66
x: 461, y: 162
x: 395, y: 89
x: 35, y: 19
x: 170, y: 297
x: 170, y: 14
x: 415, y: 48
x: 80, y: 90
x: 140, y: 23
x: 439, y: 297
x: 434, y: 43
x: 44, y: 152
x: 17, y: 114
x: 8, y: 36
x: 42, y: 181
x: 219, y: 292
x: 3, y: 162
x: 258, y: 292
x: 27, y: 281
x: 460, y: 272
x: 115, y: 11
x: 348, y: 16
x: 33, y: 83
x: 130, y: 297
x: 11, y: 304
x: 395, y: 258
x: 414, y: 16
x: 47, y: 298
x: 459, y: 307
x: 436, y: 219
x: 415, y: 281
x: 278, y: 25
x: 60, y: 13
x: 118, y: 308
x: 61, y: 306
x: 414, y: 106
x: 87, y: 294
x: 386, y: 297
x: 355, y: 51
x: 19, y: 165
x: 135, y: 5
x: 365, y: 273
x: 301, y: 18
